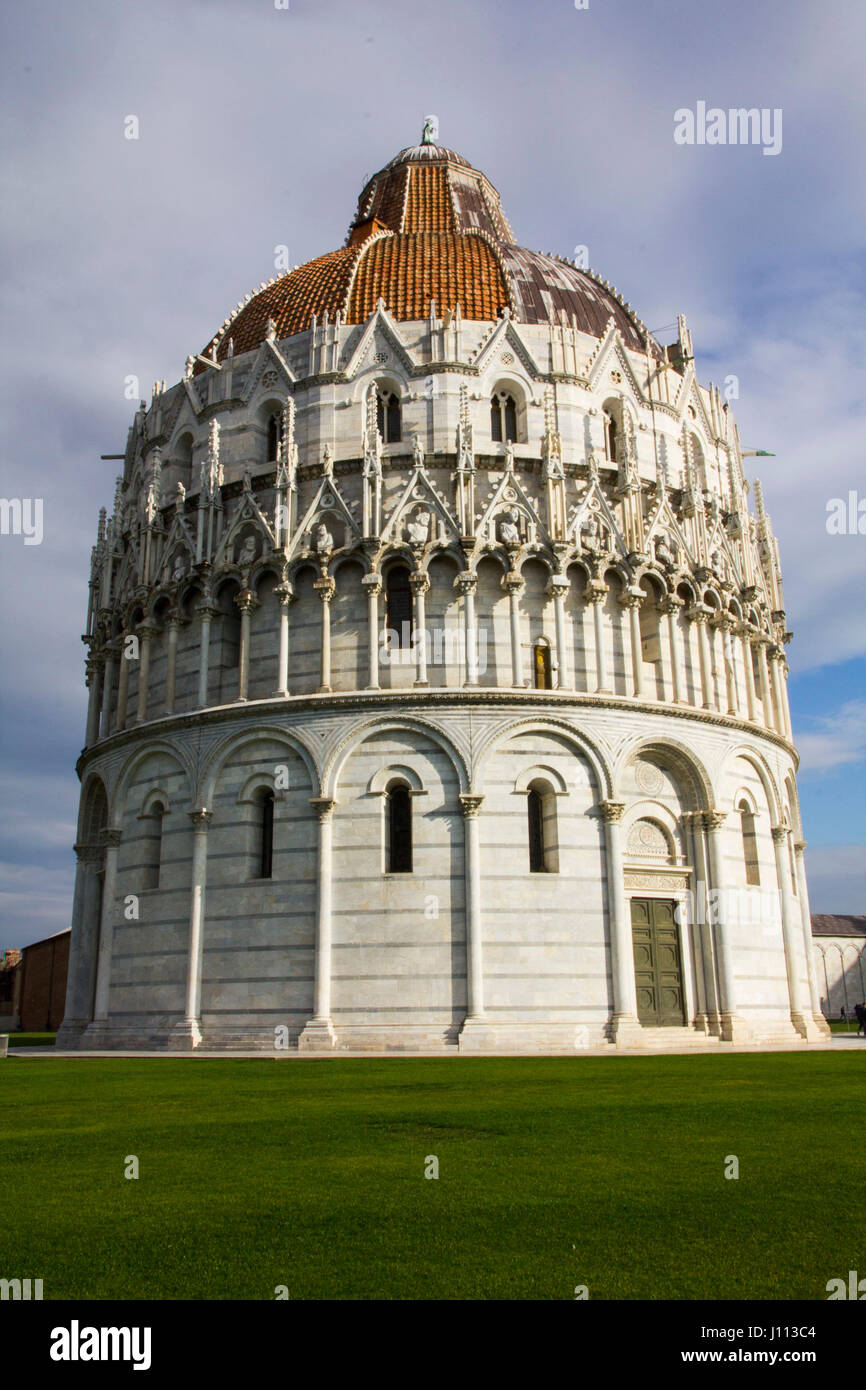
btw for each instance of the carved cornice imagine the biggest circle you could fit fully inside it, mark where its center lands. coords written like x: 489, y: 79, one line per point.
x: 543, y: 703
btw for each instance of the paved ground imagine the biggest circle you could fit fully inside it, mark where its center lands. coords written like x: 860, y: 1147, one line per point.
x: 840, y: 1042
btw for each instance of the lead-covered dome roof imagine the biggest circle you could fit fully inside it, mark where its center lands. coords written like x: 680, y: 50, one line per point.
x: 429, y: 226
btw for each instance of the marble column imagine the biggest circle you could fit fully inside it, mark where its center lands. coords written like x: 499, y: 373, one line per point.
x: 557, y: 589
x: 187, y: 1034
x: 467, y: 585
x: 626, y: 1030
x: 285, y: 597
x: 707, y: 1018
x: 631, y: 602
x: 246, y: 601
x: 732, y: 1026
x: 122, y: 683
x: 419, y: 584
x: 808, y: 941
x: 777, y: 687
x: 83, y: 944
x: 107, y: 692
x: 94, y: 684
x: 725, y: 626
x: 700, y: 617
x: 373, y: 584
x: 111, y: 840
x: 669, y: 608
x: 792, y: 933
x: 748, y: 671
x: 145, y: 634
x: 470, y: 804
x: 766, y: 696
x: 596, y: 592
x: 325, y: 588
x: 513, y: 586
x: 206, y: 614
x: 172, y: 627
x: 318, y: 1033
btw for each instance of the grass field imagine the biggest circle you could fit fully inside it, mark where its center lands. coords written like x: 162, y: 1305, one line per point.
x: 553, y: 1172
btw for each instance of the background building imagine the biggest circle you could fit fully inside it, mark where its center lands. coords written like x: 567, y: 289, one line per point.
x: 437, y: 672
x: 840, y: 962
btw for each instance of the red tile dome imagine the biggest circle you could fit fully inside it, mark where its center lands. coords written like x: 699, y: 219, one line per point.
x: 429, y: 226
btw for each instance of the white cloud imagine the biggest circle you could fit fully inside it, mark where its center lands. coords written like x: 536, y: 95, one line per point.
x: 835, y: 740
x: 837, y: 878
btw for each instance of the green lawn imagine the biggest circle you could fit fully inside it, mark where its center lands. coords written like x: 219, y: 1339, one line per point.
x: 32, y: 1039
x: 554, y: 1172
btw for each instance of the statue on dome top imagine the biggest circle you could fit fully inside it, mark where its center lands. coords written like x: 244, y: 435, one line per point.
x: 430, y: 135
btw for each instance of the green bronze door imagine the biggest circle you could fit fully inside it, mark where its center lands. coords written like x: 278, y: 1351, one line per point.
x: 657, y: 964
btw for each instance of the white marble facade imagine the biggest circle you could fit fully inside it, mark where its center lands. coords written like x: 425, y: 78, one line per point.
x: 603, y: 627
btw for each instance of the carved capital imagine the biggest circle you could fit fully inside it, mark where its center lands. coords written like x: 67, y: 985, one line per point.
x: 325, y: 588
x: 373, y: 584
x: 419, y: 583
x: 323, y: 806
x: 595, y: 592
x: 630, y: 599
x: 247, y: 601
x: 89, y: 853
x: 470, y: 804
x: 799, y: 846
x: 713, y: 820
x: 200, y: 819
x: 669, y: 604
x: 110, y: 837
x: 285, y: 594
x: 779, y: 833
x: 466, y: 583
x: 559, y: 586
x: 512, y: 582
x: 611, y: 811
x: 698, y: 614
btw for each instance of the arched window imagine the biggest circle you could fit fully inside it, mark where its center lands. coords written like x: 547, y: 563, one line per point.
x: 398, y: 829
x: 750, y: 843
x: 388, y: 417
x: 265, y: 827
x: 152, y: 848
x: 503, y: 418
x: 275, y: 436
x: 398, y: 602
x: 541, y: 666
x: 542, y: 828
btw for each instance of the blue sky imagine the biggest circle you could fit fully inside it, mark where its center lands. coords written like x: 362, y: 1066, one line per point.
x: 257, y: 128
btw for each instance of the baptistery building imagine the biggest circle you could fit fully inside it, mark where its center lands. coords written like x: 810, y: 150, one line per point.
x: 437, y: 676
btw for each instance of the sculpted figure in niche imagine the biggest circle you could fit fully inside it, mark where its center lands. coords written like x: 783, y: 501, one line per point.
x: 509, y: 457
x: 509, y: 533
x: 666, y: 551
x: 328, y: 462
x: 323, y: 541
x: 419, y: 527
x: 592, y: 535
x: 179, y: 569
x: 718, y: 564
x: 418, y: 451
x: 247, y: 552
